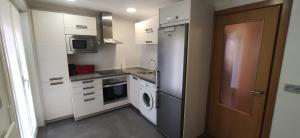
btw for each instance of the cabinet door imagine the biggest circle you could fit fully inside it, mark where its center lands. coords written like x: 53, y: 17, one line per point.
x: 146, y: 32
x: 52, y: 62
x: 50, y: 44
x: 88, y: 105
x: 80, y: 25
x: 173, y: 13
x: 79, y: 22
x: 48, y: 28
x: 57, y: 99
x: 134, y: 91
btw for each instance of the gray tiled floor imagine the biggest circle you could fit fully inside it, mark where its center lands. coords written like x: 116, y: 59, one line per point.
x: 122, y: 123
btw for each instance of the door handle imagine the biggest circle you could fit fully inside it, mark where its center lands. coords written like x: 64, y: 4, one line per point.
x: 53, y: 79
x: 172, y: 18
x: 81, y: 27
x: 257, y: 93
x: 86, y: 88
x: 148, y: 42
x: 56, y: 83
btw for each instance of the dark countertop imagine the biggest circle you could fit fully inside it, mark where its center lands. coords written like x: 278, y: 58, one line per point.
x: 147, y: 77
x: 134, y: 71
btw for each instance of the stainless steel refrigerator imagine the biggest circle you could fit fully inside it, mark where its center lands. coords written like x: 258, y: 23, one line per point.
x: 172, y: 49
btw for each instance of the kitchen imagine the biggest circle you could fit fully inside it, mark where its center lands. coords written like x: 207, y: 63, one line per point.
x: 140, y: 68
x: 98, y: 63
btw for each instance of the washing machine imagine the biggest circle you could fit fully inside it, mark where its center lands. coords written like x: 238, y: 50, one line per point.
x: 148, y: 100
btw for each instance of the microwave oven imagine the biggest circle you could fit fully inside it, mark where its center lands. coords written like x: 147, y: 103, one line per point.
x: 81, y: 44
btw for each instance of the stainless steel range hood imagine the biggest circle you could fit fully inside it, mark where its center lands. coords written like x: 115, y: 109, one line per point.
x: 105, y: 29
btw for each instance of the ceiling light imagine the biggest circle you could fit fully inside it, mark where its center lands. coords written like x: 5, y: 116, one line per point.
x: 71, y: 0
x: 131, y: 10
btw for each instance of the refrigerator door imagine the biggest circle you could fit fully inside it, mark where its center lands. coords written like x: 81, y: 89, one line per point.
x: 171, y: 59
x: 169, y: 115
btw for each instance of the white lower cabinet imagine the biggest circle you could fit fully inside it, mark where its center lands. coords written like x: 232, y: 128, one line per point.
x: 134, y: 91
x: 87, y: 105
x: 57, y: 99
x: 87, y: 97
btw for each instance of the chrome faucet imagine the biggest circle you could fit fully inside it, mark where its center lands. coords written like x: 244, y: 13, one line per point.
x: 155, y: 64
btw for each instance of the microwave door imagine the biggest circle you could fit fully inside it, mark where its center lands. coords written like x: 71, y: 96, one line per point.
x: 78, y: 45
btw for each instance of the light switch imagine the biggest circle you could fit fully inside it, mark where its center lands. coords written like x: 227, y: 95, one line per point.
x: 292, y: 88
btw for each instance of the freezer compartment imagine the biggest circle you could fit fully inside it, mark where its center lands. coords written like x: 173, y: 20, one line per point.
x: 169, y: 115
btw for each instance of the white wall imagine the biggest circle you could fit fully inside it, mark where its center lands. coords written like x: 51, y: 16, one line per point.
x: 286, y: 122
x: 146, y: 53
x: 110, y: 57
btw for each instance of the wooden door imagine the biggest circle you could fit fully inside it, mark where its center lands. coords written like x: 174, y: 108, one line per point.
x: 241, y: 66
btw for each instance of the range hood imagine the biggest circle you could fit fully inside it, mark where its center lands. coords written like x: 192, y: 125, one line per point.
x: 105, y: 29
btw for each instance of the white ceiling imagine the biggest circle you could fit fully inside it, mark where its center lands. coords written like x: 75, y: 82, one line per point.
x: 145, y: 8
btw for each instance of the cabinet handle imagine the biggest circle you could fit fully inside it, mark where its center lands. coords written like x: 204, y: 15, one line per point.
x: 56, y: 83
x: 90, y: 99
x: 148, y: 42
x: 90, y: 93
x: 135, y: 78
x: 172, y: 18
x: 53, y: 79
x: 86, y: 88
x: 81, y: 27
x: 90, y: 81
x: 149, y: 30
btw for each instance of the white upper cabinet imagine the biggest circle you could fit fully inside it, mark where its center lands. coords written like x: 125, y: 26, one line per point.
x: 50, y: 45
x: 48, y: 28
x: 177, y: 12
x: 146, y: 32
x: 80, y: 25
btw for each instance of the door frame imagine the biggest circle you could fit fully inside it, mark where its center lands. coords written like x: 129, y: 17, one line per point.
x: 282, y: 30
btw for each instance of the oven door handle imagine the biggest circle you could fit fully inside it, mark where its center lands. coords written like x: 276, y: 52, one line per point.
x: 112, y: 85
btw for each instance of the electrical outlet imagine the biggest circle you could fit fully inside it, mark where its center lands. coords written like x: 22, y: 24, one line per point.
x: 292, y: 88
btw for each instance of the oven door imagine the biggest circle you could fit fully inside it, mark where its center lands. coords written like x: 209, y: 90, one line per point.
x: 114, y: 92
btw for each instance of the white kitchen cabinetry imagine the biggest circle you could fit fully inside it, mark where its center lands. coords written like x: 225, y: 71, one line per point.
x: 53, y: 65
x: 134, y: 89
x: 57, y: 99
x: 50, y: 45
x: 87, y: 97
x: 146, y: 32
x: 80, y: 25
x: 177, y: 12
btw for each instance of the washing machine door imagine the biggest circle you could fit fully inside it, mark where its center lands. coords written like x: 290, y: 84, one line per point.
x: 147, y: 100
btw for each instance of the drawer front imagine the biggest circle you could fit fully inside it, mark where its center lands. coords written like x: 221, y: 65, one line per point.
x: 84, y: 89
x: 86, y: 83
x: 87, y: 94
x: 86, y: 106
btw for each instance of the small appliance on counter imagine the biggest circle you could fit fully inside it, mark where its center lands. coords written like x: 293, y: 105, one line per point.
x: 81, y: 69
x: 85, y: 69
x: 72, y: 69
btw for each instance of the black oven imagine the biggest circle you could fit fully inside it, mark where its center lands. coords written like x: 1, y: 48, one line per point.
x: 114, y: 89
